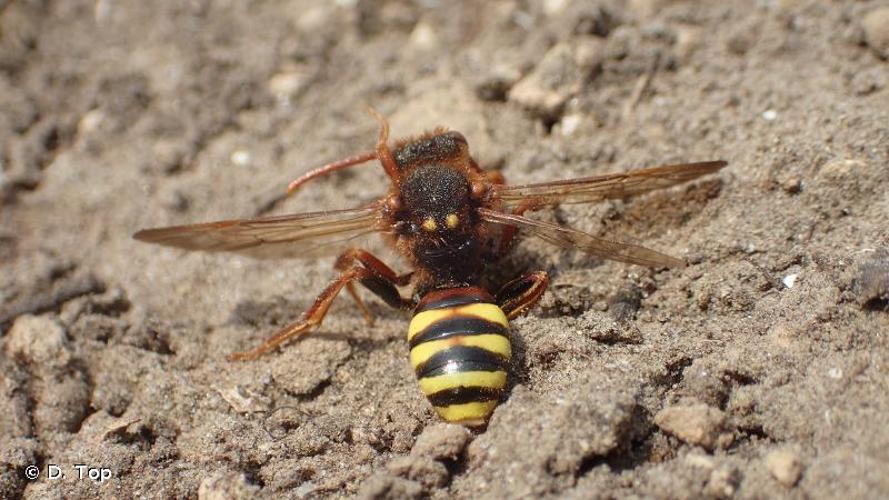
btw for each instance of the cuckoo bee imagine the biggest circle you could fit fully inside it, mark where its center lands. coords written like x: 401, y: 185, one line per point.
x: 449, y: 219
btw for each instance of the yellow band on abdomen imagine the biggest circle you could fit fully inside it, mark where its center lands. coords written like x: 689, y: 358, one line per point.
x: 460, y: 351
x: 488, y: 312
x: 490, y: 380
x: 494, y: 343
x: 475, y: 413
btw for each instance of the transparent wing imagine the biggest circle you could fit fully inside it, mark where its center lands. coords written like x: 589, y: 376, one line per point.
x: 311, y: 234
x: 566, y: 237
x: 604, y: 187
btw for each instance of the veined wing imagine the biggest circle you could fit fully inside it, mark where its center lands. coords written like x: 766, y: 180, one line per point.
x: 311, y: 234
x: 567, y: 237
x: 604, y: 187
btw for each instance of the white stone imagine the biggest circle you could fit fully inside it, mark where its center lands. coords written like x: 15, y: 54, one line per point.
x: 241, y: 158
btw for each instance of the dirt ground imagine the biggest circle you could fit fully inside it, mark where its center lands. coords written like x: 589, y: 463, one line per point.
x: 760, y: 370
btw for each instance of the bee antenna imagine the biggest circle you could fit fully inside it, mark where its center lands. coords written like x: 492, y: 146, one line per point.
x: 384, y: 154
x: 330, y: 167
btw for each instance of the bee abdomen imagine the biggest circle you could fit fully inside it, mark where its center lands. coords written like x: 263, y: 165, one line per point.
x: 460, y: 351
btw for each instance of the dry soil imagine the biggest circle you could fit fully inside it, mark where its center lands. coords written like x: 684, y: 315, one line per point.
x: 760, y: 370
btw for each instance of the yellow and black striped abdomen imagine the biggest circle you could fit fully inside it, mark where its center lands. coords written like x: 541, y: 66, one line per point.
x: 460, y: 351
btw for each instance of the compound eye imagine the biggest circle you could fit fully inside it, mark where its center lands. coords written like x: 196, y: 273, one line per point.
x: 452, y: 221
x: 429, y: 224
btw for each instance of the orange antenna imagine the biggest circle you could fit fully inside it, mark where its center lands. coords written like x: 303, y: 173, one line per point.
x: 330, y: 167
x: 382, y: 152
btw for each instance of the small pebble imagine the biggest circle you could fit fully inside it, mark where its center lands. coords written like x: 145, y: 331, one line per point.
x: 90, y: 122
x: 792, y: 184
x: 552, y: 82
x: 287, y: 83
x: 554, y: 7
x: 441, y: 441
x: 700, y: 460
x: 38, y: 340
x: 697, y: 424
x: 871, y: 284
x: 424, y: 37
x: 492, y: 83
x: 61, y: 394
x: 789, y: 280
x: 843, y: 168
x: 723, y: 482
x: 769, y: 115
x: 784, y: 465
x: 570, y: 123
x: 241, y: 158
x: 242, y: 400
x: 689, y: 39
x: 625, y: 303
x: 876, y: 31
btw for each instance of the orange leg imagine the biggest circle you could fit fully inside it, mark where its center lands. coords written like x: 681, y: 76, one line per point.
x: 372, y: 273
x: 521, y: 294
x: 380, y: 282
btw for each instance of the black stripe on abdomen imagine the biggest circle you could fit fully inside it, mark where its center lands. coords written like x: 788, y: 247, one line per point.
x: 459, y: 366
x: 460, y: 351
x: 462, y: 357
x: 457, y: 325
x: 460, y: 395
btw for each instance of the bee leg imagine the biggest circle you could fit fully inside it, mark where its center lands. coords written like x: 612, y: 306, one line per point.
x: 375, y: 277
x: 521, y: 294
x: 368, y: 316
x: 311, y: 318
x: 382, y: 281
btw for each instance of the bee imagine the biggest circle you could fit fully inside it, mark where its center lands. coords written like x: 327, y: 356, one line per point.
x: 449, y: 219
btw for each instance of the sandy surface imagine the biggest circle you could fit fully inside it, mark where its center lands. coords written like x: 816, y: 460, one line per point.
x: 760, y: 370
